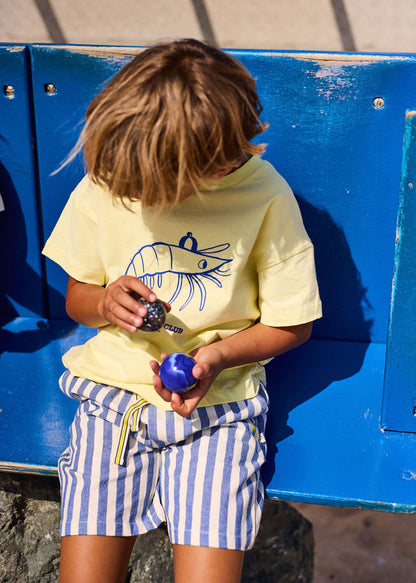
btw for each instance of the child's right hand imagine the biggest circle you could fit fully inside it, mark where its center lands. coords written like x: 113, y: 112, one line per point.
x: 120, y: 308
x: 95, y: 306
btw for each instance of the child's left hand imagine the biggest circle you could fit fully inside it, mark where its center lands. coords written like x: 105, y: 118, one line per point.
x: 208, y: 366
x: 253, y: 344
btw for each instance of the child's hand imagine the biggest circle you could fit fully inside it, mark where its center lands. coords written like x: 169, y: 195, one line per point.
x: 120, y: 308
x: 208, y: 366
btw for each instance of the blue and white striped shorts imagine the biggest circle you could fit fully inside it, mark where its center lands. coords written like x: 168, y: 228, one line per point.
x: 131, y: 466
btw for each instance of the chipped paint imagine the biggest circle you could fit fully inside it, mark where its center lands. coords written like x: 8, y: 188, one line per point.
x: 332, y: 57
x: 104, y: 52
x: 36, y: 469
x: 408, y: 475
x: 14, y: 48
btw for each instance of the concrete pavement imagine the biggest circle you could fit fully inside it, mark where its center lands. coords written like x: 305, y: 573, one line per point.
x: 328, y: 25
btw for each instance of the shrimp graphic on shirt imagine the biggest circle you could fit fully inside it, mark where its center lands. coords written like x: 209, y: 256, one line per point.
x: 193, y: 267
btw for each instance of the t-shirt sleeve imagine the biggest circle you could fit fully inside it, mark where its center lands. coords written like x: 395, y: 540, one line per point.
x: 288, y: 288
x: 73, y: 243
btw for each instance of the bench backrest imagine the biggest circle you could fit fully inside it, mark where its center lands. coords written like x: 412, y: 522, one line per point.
x: 338, y: 124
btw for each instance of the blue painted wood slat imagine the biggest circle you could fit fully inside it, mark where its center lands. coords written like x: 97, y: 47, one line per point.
x: 399, y: 403
x: 336, y: 135
x: 22, y: 284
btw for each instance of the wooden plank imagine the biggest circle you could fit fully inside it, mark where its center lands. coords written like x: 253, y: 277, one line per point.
x: 325, y: 442
x: 336, y: 135
x: 21, y: 281
x: 399, y: 403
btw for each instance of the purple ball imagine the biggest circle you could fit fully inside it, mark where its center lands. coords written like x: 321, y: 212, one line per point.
x: 176, y: 372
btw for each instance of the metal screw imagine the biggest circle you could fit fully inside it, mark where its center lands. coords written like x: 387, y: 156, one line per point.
x: 8, y: 91
x: 378, y: 102
x: 50, y: 88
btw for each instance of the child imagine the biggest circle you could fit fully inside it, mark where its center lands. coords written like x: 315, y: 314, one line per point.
x: 176, y: 204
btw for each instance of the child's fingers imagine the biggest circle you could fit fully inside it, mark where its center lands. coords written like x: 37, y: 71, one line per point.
x: 127, y: 321
x: 154, y: 365
x: 134, y: 284
x: 120, y: 316
x: 121, y: 305
x: 200, y: 371
x: 157, y: 382
x: 184, y: 404
x: 181, y: 403
x: 160, y: 389
x: 122, y: 310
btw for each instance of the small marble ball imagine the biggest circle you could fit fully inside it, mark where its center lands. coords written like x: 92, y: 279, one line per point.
x: 176, y: 372
x: 156, y: 314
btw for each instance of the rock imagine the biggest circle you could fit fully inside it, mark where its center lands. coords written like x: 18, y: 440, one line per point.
x: 12, y: 568
x: 29, y: 540
x: 29, y: 529
x: 41, y: 540
x: 152, y: 559
x: 283, y: 552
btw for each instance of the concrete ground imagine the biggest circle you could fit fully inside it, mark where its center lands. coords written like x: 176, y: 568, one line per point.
x: 362, y: 546
x: 329, y: 25
x: 352, y: 546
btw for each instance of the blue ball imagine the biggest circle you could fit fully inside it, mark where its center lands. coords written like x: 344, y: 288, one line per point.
x: 176, y: 372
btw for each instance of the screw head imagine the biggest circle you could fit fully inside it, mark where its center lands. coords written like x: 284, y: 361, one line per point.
x: 378, y: 102
x: 49, y: 88
x: 8, y: 91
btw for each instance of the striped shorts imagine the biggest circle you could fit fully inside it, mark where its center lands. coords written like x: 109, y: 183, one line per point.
x: 131, y: 466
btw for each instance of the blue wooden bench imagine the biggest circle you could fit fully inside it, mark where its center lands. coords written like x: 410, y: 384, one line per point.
x: 342, y: 427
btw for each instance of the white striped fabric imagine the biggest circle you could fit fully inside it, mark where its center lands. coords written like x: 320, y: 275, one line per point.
x: 201, y: 474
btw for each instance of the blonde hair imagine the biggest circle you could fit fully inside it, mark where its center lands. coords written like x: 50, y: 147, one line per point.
x: 172, y: 116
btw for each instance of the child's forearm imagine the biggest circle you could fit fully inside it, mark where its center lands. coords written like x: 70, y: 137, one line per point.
x: 254, y: 344
x: 95, y: 306
x: 257, y: 343
x: 83, y: 301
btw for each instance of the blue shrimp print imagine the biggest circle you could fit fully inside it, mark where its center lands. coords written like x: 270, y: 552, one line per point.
x: 193, y: 267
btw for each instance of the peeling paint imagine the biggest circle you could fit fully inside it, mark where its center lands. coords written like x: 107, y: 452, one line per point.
x: 408, y: 475
x: 14, y: 48
x: 336, y: 58
x: 105, y: 52
x: 333, y: 80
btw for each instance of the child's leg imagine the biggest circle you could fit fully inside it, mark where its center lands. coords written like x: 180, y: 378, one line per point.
x: 104, y: 505
x: 210, y: 484
x: 206, y: 565
x: 95, y: 559
x: 211, y: 490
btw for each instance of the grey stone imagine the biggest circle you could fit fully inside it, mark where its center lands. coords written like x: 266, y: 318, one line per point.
x: 12, y: 567
x: 151, y: 560
x: 283, y: 551
x: 29, y: 540
x: 41, y: 540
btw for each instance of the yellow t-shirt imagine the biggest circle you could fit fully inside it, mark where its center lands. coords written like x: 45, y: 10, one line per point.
x: 223, y: 258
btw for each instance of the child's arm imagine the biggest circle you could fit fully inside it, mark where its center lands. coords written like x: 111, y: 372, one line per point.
x: 95, y: 306
x: 254, y: 344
